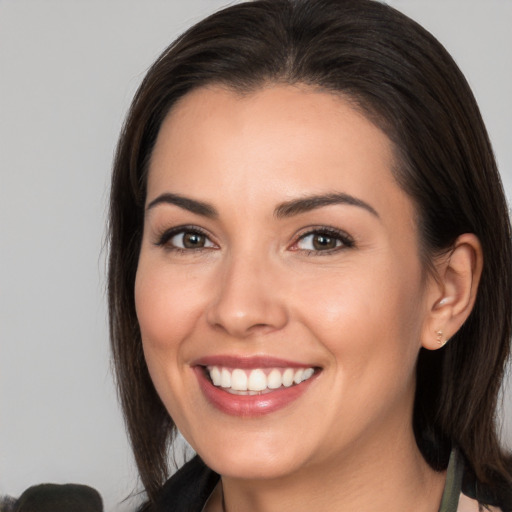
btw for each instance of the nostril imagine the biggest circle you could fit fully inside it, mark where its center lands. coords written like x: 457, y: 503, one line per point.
x: 244, y: 316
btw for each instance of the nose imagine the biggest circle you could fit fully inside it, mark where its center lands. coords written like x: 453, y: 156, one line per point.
x: 249, y: 299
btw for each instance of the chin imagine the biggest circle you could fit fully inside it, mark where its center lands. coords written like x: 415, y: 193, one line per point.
x: 250, y: 467
x: 266, y: 455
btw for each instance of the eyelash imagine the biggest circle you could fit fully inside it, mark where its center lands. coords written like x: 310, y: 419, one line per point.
x: 346, y: 240
x: 165, y: 237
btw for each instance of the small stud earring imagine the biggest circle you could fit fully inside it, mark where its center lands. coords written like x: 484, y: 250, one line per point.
x: 439, y: 338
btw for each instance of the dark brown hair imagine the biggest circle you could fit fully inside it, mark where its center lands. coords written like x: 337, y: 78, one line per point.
x: 407, y: 84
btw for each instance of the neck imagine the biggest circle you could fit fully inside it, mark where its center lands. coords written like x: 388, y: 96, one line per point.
x: 380, y: 476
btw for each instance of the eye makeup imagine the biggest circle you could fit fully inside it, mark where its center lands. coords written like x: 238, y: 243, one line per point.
x: 323, y: 240
x: 314, y: 241
x: 185, y: 238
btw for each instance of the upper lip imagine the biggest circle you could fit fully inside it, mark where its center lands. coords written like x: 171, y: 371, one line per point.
x: 259, y: 361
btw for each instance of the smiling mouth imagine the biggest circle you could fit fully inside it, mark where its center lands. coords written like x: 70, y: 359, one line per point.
x: 257, y: 381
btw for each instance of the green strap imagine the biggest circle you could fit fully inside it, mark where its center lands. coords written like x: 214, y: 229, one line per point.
x: 452, y: 488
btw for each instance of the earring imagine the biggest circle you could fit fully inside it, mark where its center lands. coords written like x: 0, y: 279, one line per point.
x: 439, y: 338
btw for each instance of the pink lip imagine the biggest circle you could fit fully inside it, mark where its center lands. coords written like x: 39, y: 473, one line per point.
x: 248, y: 405
x: 228, y: 361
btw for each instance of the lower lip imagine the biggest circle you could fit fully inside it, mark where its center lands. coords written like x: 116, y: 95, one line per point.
x: 249, y: 405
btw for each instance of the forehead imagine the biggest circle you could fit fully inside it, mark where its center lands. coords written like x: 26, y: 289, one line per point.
x: 276, y: 143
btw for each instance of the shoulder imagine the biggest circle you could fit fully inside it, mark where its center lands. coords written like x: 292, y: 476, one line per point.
x: 495, y: 497
x: 187, y: 490
x: 464, y: 493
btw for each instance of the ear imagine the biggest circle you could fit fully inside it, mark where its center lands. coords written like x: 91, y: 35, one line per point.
x: 452, y: 292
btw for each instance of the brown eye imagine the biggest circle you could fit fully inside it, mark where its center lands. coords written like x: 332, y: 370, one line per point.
x: 193, y: 240
x: 190, y: 240
x: 324, y: 241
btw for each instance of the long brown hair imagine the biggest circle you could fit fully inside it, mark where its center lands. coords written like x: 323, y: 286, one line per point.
x: 407, y: 84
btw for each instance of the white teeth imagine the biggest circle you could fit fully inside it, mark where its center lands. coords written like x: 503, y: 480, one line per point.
x: 225, y: 378
x: 258, y: 380
x: 215, y: 375
x: 288, y: 377
x: 274, y: 379
x: 238, y: 380
x: 308, y: 373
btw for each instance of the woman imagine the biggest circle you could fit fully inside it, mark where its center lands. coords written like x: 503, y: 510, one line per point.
x: 309, y: 267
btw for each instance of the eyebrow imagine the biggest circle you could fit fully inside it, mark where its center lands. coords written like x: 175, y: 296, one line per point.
x: 287, y: 209
x: 192, y: 205
x: 306, y: 204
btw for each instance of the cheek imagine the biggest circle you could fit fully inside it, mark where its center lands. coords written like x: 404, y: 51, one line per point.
x: 167, y: 304
x: 167, y: 307
x: 157, y: 327
x: 369, y: 315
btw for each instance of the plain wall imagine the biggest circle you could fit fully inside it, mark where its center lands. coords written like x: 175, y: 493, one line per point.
x: 68, y: 71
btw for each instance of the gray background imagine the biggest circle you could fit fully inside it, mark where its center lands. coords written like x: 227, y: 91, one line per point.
x: 68, y: 70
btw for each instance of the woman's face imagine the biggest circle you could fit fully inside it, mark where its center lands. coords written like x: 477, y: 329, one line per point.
x: 280, y: 254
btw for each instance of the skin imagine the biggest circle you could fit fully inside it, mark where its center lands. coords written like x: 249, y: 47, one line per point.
x: 359, y: 312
